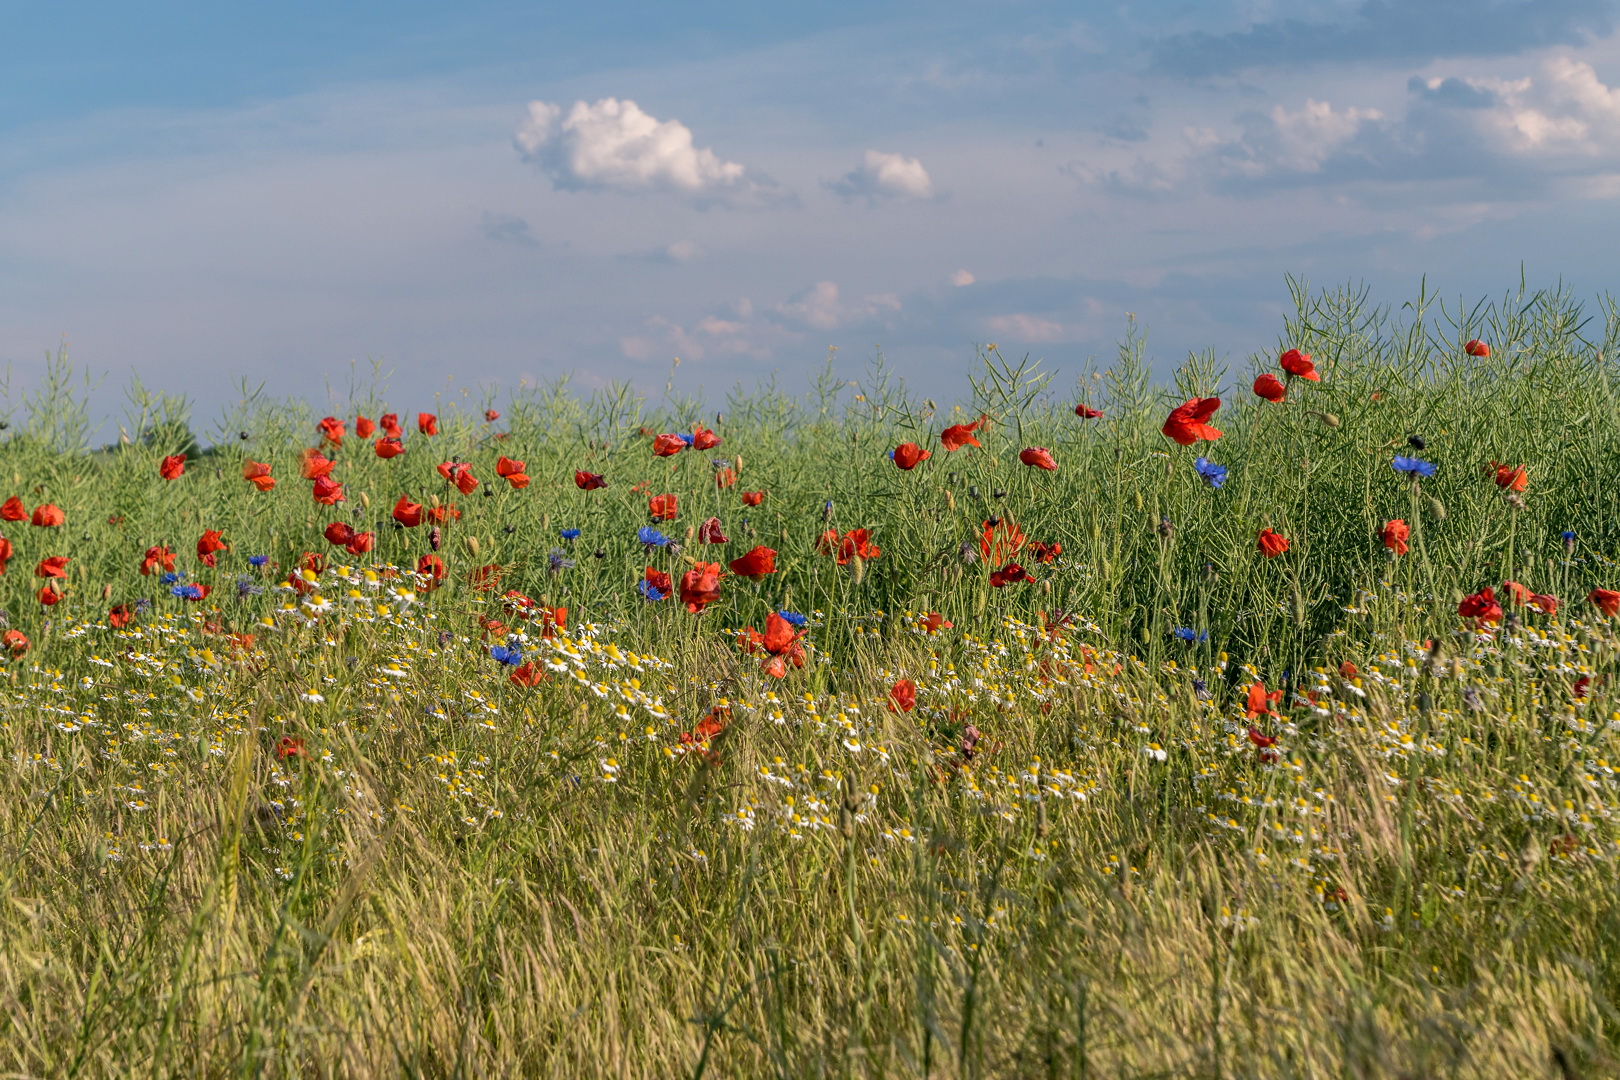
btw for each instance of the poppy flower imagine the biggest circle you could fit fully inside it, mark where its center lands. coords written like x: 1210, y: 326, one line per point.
x: 332, y: 430
x: 257, y: 473
x: 290, y: 746
x: 363, y: 427
x: 1086, y: 412
x: 460, y: 474
x: 1257, y: 703
x: 407, y: 513
x: 1516, y: 593
x: 52, y: 567
x: 1010, y: 574
x: 755, y: 564
x: 490, y: 416
x: 1476, y: 347
x: 15, y: 642
x: 119, y: 616
x: 6, y: 551
x: 588, y: 481
x: 1000, y: 540
x: 441, y: 514
x: 908, y: 455
x: 662, y: 507
x: 1394, y: 534
x: 704, y: 439
x: 753, y: 498
x: 328, y: 492
x: 654, y: 585
x: 431, y: 567
x: 903, y: 696
x: 1606, y: 601
x: 1512, y: 478
x: 700, y: 586
x: 157, y: 557
x: 485, y: 578
x: 390, y: 448
x: 48, y: 596
x: 1298, y: 364
x: 526, y: 674
x: 749, y: 640
x: 513, y: 472
x: 856, y: 544
x: 553, y: 620
x: 782, y: 642
x: 1271, y: 388
x: 389, y: 423
x: 47, y: 516
x: 1037, y: 457
x: 1186, y: 422
x: 208, y: 543
x: 338, y: 533
x: 1547, y: 605
x: 14, y: 510
x: 668, y: 445
x: 934, y: 622
x: 710, y: 532
x: 1271, y: 544
x: 427, y: 423
x: 171, y: 467
x: 959, y: 435
x: 1481, y: 605
x: 312, y: 464
x: 725, y: 478
x: 1043, y: 552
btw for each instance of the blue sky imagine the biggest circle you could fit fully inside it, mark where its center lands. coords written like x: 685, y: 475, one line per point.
x: 496, y: 193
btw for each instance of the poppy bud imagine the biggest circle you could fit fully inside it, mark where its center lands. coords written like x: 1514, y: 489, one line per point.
x: 365, y: 500
x: 106, y: 591
x: 1416, y: 442
x: 973, y: 491
x: 242, y: 435
x: 950, y: 501
x: 998, y: 494
x: 1437, y: 509
x: 860, y: 569
x: 472, y: 544
x: 434, y: 538
x: 1046, y: 586
x: 1136, y: 500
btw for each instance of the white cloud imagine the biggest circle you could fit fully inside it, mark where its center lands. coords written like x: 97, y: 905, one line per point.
x: 1295, y: 142
x: 1568, y: 110
x: 613, y: 145
x: 1022, y: 327
x: 820, y: 308
x: 885, y: 176
x: 963, y: 278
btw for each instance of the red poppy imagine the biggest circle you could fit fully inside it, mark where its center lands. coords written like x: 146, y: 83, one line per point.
x: 490, y: 416
x: 171, y: 467
x: 1010, y: 574
x: 725, y: 478
x: 1606, y: 600
x: 903, y: 696
x: 1001, y: 539
x: 1271, y: 544
x: 1186, y: 423
x: 427, y: 423
x: 710, y: 533
x: 959, y: 435
x: 704, y: 439
x: 389, y: 422
x: 1259, y: 702
x: 662, y: 507
x: 753, y: 498
x: 332, y: 430
x: 1513, y: 478
x: 934, y: 622
x: 6, y: 552
x: 1087, y: 412
x: 527, y: 674
x: 656, y: 581
x: 339, y: 533
x: 407, y: 513
x: 48, y: 596
x: 290, y: 746
x: 755, y: 564
x: 553, y: 620
x: 157, y: 558
x: 712, y: 724
x: 512, y: 472
x: 1547, y: 605
x: 431, y: 567
x: 1043, y: 552
x: 363, y: 427
x: 15, y: 642
x: 1271, y: 388
x: 327, y: 492
x: 1038, y: 457
x: 782, y: 642
x: 47, y: 516
x: 668, y: 445
x: 208, y: 543
x: 1515, y: 592
x: 460, y: 474
x: 314, y: 562
x: 487, y: 577
x: 390, y: 448
x: 749, y: 639
x: 1394, y: 534
x: 1580, y: 686
x: 53, y: 567
x: 312, y: 464
x: 441, y: 514
x: 700, y: 586
x: 588, y: 481
x: 120, y: 616
x: 908, y: 455
x: 856, y: 544
x: 258, y: 474
x: 1298, y: 364
x: 14, y: 510
x: 1482, y: 606
x: 1476, y: 347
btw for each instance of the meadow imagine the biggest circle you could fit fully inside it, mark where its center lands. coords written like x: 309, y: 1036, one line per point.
x: 585, y: 735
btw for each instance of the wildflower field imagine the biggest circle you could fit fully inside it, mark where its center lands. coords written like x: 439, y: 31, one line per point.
x: 1093, y: 729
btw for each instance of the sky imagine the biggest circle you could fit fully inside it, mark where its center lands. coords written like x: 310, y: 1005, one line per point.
x: 483, y: 194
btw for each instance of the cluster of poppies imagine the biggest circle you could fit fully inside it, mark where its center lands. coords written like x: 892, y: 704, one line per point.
x: 52, y: 569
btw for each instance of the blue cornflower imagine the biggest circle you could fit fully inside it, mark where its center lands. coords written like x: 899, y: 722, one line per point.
x: 649, y: 591
x: 792, y: 618
x: 1413, y: 467
x: 570, y: 534
x: 187, y: 592
x: 557, y: 561
x: 1190, y: 636
x: 258, y: 560
x: 1568, y: 536
x: 1213, y: 474
x: 510, y: 655
x: 172, y: 577
x: 652, y: 537
x: 245, y: 588
x: 686, y: 437
x: 143, y: 606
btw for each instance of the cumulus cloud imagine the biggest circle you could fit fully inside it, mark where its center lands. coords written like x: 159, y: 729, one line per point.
x: 741, y: 330
x: 885, y: 176
x: 820, y: 308
x: 963, y: 278
x: 614, y: 145
x: 1023, y: 327
x: 508, y: 229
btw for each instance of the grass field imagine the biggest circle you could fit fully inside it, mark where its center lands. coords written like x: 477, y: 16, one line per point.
x: 1063, y: 772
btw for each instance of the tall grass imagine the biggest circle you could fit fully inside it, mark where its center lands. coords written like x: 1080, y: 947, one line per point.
x: 1070, y: 860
